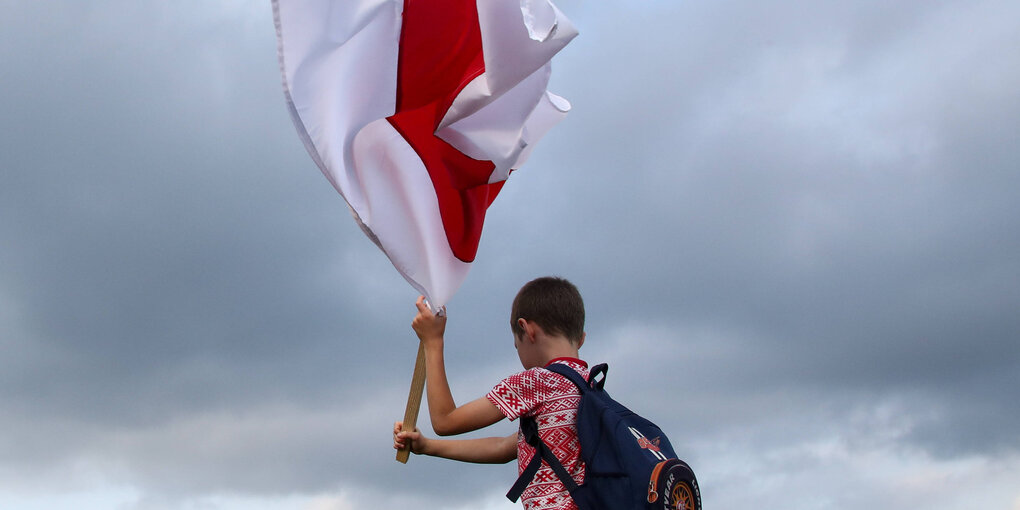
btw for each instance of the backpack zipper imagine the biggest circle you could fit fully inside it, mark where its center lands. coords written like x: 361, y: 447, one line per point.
x: 653, y: 482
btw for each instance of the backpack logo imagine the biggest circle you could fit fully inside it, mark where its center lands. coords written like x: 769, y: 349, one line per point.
x: 647, y: 444
x: 652, y: 445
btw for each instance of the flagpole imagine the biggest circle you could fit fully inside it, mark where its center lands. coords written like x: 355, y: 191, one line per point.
x: 413, y: 402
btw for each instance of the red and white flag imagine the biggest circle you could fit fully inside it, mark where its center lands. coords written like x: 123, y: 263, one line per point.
x: 417, y: 110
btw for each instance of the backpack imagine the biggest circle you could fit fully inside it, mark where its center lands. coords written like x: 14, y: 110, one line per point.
x: 629, y: 462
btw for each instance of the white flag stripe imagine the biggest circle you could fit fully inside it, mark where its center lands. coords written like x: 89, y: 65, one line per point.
x: 393, y: 176
x: 511, y: 55
x: 324, y: 44
x: 497, y: 131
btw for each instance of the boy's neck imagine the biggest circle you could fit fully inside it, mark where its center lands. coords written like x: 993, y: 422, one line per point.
x: 558, y: 347
x: 539, y: 347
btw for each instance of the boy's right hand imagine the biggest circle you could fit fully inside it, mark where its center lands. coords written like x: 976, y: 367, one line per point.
x: 428, y: 326
x: 401, y: 438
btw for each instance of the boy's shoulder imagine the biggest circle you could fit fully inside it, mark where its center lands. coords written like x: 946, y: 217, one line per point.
x: 558, y: 384
x: 577, y: 364
x: 525, y: 392
x: 541, y: 383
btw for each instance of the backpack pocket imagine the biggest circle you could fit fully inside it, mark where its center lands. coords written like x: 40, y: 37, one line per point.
x: 672, y: 486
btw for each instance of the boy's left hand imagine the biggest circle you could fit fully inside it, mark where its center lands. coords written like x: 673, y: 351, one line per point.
x: 428, y: 326
x: 401, y: 438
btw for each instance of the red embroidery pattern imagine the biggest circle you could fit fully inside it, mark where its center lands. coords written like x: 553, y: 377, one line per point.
x: 553, y: 401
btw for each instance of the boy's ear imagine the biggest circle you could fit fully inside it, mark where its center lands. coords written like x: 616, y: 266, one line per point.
x: 529, y: 329
x: 581, y: 341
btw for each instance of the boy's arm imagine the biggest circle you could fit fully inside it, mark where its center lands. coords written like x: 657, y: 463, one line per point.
x: 488, y: 450
x: 447, y: 418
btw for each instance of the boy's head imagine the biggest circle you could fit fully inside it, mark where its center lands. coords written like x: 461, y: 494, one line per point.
x: 554, y: 304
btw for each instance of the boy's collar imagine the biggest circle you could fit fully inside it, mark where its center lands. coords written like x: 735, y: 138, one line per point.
x: 568, y: 359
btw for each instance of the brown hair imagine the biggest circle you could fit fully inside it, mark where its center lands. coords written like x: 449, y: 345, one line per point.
x: 553, y: 303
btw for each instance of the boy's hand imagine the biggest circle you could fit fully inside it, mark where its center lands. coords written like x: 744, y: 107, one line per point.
x: 400, y: 439
x: 428, y: 326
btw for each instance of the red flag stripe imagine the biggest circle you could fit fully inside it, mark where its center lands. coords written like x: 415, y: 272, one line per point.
x: 440, y: 53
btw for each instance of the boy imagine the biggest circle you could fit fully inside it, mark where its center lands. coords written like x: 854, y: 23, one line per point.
x: 547, y: 322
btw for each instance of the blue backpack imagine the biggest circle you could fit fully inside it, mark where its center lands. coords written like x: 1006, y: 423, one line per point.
x: 629, y: 463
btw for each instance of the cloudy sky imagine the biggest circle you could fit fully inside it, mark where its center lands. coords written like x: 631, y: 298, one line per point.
x: 794, y: 225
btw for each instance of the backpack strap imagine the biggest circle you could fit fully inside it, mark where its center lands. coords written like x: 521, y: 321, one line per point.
x: 529, y: 429
x: 593, y: 376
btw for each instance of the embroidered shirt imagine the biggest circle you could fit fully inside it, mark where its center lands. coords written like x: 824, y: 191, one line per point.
x: 552, y: 400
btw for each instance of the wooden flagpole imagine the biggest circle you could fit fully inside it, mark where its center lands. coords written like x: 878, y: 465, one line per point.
x: 413, y: 401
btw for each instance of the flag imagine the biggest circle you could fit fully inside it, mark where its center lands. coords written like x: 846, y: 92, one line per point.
x: 417, y: 110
